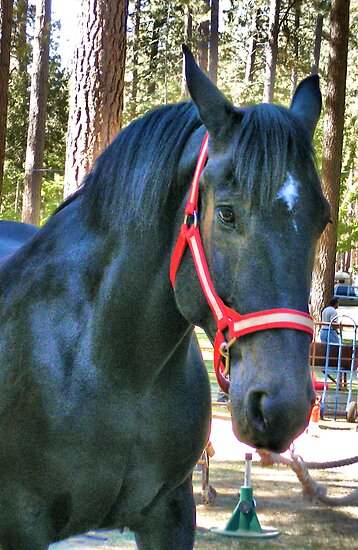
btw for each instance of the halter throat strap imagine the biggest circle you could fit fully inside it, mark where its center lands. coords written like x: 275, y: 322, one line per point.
x: 235, y: 324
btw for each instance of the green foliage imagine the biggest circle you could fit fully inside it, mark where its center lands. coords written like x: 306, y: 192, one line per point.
x: 348, y: 211
x: 348, y: 222
x: 159, y: 53
x: 51, y: 194
x: 12, y: 177
x: 57, y: 110
x: 159, y: 67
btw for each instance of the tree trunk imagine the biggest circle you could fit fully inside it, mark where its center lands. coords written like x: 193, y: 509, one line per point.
x: 214, y: 41
x: 271, y: 51
x: 295, y: 46
x: 154, y: 48
x: 251, y: 54
x: 22, y: 46
x: 188, y: 35
x: 203, y: 43
x: 5, y: 43
x: 317, y: 43
x: 96, y: 96
x: 37, y: 114
x: 323, y: 276
x: 134, y: 87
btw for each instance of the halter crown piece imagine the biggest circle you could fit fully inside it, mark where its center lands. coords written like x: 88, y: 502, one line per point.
x: 226, y: 318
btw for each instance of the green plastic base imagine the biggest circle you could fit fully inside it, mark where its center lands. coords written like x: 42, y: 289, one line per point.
x: 266, y: 533
x: 244, y: 522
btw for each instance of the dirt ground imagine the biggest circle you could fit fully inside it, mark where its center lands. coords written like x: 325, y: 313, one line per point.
x: 302, y: 525
x: 277, y: 491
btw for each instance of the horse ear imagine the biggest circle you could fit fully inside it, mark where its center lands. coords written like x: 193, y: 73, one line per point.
x: 215, y: 110
x: 307, y: 103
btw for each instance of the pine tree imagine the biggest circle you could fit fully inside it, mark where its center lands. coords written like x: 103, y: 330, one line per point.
x: 323, y: 277
x: 37, y: 115
x: 136, y: 45
x: 188, y: 37
x: 96, y: 97
x: 296, y: 44
x: 214, y: 40
x: 252, y: 47
x: 5, y: 41
x: 18, y: 100
x: 271, y: 51
x: 203, y: 40
x: 318, y: 39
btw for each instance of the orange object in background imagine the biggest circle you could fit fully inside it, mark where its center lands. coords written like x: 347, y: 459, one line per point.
x: 313, y: 427
x: 316, y: 411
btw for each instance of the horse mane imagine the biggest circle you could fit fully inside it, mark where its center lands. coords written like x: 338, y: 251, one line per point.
x: 270, y: 142
x: 135, y: 178
x: 134, y: 181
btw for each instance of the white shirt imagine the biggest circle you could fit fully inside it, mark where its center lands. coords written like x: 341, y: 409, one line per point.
x: 328, y: 314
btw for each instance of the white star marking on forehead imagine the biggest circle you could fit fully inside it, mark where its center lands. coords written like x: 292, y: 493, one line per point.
x: 289, y: 192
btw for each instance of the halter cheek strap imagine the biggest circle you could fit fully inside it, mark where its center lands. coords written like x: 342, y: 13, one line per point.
x: 237, y: 325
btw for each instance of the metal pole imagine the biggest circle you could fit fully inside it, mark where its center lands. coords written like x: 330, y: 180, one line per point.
x: 247, y: 477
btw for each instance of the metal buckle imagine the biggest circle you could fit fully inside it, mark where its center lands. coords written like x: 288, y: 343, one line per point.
x: 194, y: 216
x: 225, y: 353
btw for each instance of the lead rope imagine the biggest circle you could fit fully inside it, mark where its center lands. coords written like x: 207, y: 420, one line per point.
x: 311, y: 490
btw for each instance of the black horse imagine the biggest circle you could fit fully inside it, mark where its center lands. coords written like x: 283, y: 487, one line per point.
x: 104, y: 397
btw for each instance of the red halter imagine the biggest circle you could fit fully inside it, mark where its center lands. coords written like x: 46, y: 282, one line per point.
x: 226, y: 318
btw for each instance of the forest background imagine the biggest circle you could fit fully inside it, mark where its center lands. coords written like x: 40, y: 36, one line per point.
x: 154, y: 32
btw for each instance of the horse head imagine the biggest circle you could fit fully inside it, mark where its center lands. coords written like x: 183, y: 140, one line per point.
x: 261, y: 214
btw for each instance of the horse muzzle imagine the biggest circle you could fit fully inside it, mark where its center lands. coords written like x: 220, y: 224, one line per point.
x: 269, y: 407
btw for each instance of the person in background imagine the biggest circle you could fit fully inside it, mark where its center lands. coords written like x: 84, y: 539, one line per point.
x: 328, y: 314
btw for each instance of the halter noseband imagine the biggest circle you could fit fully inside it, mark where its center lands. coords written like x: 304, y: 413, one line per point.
x: 226, y: 318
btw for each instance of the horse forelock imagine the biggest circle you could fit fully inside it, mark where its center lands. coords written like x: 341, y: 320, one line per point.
x: 269, y: 144
x: 134, y: 179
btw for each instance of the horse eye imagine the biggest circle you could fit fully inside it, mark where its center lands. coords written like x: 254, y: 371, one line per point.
x: 227, y: 215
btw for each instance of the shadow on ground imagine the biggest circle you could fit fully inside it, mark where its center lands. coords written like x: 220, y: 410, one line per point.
x: 302, y: 525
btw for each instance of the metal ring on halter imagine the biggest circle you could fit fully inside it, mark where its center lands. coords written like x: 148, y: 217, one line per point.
x: 224, y: 351
x: 224, y: 346
x: 194, y: 215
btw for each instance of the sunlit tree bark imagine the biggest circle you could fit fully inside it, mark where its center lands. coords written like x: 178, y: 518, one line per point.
x: 96, y: 96
x: 323, y: 276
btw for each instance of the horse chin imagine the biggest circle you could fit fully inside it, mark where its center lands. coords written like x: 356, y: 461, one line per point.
x: 276, y: 443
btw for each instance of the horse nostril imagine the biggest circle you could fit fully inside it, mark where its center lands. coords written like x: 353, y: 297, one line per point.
x: 255, y: 409
x: 267, y: 417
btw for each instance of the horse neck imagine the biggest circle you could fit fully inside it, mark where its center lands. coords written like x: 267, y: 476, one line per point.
x: 139, y: 279
x: 136, y: 303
